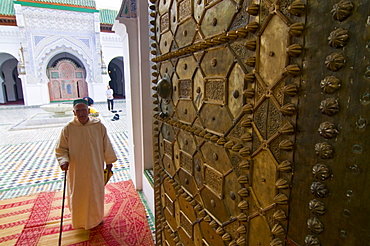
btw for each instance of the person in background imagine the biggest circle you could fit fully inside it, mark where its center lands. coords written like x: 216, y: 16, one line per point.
x: 82, y: 149
x: 90, y: 102
x: 109, y: 94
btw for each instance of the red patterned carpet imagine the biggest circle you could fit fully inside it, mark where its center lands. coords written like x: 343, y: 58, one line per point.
x: 35, y: 220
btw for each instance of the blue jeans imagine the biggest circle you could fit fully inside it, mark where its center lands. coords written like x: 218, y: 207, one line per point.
x: 110, y: 104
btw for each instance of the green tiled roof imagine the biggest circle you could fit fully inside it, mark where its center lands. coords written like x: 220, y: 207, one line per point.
x: 82, y: 3
x: 107, y: 16
x: 6, y: 7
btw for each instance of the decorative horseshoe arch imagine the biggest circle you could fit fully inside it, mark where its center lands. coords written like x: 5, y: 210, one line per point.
x: 67, y: 81
x: 55, y: 47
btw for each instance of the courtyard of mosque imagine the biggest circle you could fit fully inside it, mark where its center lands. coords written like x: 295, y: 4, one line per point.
x: 28, y: 136
x: 28, y: 139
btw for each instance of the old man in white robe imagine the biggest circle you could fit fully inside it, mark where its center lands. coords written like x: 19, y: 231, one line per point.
x: 83, y: 148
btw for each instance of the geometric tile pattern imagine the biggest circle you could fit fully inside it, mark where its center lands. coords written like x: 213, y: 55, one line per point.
x: 27, y: 160
x: 27, y: 164
x: 32, y: 167
x: 149, y: 214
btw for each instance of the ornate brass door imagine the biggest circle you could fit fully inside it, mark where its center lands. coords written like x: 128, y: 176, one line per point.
x: 260, y: 122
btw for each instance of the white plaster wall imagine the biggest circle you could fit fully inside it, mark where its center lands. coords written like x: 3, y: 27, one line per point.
x: 9, y: 40
x: 146, y: 84
x: 112, y: 47
x: 148, y: 193
x: 138, y: 95
x: 35, y: 94
x: 146, y: 100
x: 132, y: 107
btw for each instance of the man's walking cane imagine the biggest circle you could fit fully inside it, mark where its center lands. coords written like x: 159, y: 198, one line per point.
x: 61, y: 220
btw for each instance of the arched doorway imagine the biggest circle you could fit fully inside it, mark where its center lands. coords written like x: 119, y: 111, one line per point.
x: 117, y: 79
x: 66, y: 78
x: 11, y: 85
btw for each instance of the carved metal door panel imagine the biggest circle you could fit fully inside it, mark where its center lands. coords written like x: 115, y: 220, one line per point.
x: 260, y: 121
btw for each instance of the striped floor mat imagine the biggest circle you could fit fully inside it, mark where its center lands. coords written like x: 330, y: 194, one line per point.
x: 35, y: 220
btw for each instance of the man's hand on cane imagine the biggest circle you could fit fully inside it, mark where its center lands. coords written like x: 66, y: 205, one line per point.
x: 109, y: 167
x: 64, y: 166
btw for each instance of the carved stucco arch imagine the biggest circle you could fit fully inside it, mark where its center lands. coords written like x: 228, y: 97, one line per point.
x: 63, y: 45
x: 4, y: 57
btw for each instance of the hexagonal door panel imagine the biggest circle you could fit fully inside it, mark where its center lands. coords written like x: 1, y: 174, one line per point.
x: 185, y: 67
x: 185, y: 33
x: 264, y: 131
x: 216, y: 118
x: 217, y: 62
x: 165, y: 42
x: 218, y: 18
x: 185, y: 111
